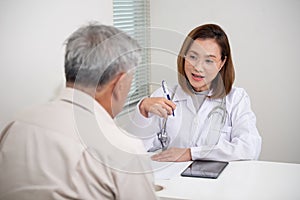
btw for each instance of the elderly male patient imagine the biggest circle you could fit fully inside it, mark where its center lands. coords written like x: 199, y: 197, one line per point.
x: 70, y: 148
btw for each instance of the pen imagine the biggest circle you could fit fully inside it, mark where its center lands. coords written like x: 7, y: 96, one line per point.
x: 166, y: 91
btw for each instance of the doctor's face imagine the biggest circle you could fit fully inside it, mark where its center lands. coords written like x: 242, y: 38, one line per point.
x: 202, y: 63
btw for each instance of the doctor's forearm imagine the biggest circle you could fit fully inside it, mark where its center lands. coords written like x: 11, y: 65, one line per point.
x: 225, y: 152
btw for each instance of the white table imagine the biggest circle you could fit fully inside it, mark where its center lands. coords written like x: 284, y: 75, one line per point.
x: 241, y: 180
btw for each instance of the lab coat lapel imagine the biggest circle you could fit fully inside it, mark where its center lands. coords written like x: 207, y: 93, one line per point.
x: 180, y: 95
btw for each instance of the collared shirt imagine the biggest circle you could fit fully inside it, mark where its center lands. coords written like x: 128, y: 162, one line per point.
x: 71, y: 148
x: 237, y: 139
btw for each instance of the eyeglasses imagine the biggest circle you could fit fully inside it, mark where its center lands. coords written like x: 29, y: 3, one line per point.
x: 194, y: 59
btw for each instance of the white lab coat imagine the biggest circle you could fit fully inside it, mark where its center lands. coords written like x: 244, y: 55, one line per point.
x: 239, y: 139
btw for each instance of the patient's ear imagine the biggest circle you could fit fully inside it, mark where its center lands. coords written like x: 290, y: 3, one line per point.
x: 118, y: 86
x: 111, y: 95
x: 120, y: 92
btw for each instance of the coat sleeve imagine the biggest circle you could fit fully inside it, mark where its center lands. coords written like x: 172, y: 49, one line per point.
x: 244, y: 142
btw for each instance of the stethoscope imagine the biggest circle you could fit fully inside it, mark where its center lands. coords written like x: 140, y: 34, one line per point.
x: 213, y: 134
x: 216, y: 119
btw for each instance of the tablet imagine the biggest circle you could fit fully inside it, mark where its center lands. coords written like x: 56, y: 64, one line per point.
x: 205, y: 169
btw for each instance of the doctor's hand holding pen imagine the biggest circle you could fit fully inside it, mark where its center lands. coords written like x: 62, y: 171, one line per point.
x: 157, y: 105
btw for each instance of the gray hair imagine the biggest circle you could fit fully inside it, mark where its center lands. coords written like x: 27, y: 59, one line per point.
x: 95, y: 54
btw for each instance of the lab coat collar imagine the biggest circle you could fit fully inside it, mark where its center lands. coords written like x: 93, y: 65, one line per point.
x: 181, y: 95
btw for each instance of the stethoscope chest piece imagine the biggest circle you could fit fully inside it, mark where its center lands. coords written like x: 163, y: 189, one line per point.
x: 163, y: 138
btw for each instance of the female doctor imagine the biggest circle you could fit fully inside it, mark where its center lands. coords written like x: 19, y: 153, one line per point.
x: 206, y: 118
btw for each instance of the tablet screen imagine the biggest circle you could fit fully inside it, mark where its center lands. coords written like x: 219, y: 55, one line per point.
x: 204, y: 169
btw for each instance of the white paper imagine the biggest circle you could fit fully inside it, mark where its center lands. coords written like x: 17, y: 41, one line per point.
x: 168, y: 170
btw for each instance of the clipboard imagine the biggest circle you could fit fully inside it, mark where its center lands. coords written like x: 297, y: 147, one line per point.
x: 205, y: 169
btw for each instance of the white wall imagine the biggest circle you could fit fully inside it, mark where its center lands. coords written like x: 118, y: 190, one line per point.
x: 31, y: 51
x: 264, y: 36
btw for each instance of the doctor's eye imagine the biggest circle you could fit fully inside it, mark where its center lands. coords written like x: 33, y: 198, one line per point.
x: 208, y: 61
x: 191, y: 57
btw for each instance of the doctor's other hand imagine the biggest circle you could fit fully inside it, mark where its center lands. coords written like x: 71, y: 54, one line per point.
x: 157, y: 105
x: 173, y: 155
